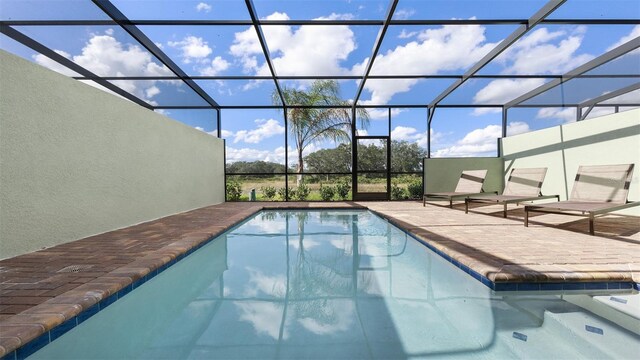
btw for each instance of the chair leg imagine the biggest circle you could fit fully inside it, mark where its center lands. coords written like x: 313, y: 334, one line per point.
x: 526, y: 217
x: 424, y: 201
x: 591, y: 224
x: 450, y: 203
x: 466, y: 206
x: 504, y: 211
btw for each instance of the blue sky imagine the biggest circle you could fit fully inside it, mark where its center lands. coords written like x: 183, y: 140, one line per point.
x: 344, y: 50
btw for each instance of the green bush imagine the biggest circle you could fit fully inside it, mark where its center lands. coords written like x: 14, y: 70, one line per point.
x: 415, y: 189
x: 301, y: 193
x: 234, y: 190
x: 397, y: 193
x: 342, y: 189
x: 327, y: 192
x: 282, y: 193
x: 268, y: 191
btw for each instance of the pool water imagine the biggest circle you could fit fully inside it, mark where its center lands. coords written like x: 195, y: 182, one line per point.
x: 338, y: 285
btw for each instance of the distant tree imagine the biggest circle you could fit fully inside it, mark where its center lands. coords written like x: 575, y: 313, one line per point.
x: 262, y: 167
x: 372, y: 157
x: 308, y: 125
x: 337, y: 159
x: 406, y: 156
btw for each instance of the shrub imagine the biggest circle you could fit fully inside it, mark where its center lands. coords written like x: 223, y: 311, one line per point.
x: 234, y: 190
x: 415, y: 189
x: 268, y: 191
x: 342, y: 189
x: 397, y: 193
x: 282, y: 192
x: 327, y: 192
x: 301, y: 193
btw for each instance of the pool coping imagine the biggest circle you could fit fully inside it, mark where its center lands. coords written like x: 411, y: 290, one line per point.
x: 27, y: 332
x: 511, y: 285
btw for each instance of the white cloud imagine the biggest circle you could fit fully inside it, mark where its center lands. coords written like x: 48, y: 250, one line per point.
x: 152, y: 91
x: 203, y: 7
x: 404, y: 133
x: 193, y: 48
x: 635, y: 32
x: 406, y: 35
x: 265, y: 129
x: 312, y: 49
x: 218, y: 64
x: 535, y: 53
x: 250, y: 154
x: 275, y: 155
x: 481, y: 142
x: 567, y: 115
x: 403, y: 14
x: 501, y: 91
x: 226, y: 134
x: 434, y: 51
x: 265, y: 317
x: 262, y: 284
x: 333, y: 317
x: 381, y: 113
x: 54, y: 65
x: 105, y: 56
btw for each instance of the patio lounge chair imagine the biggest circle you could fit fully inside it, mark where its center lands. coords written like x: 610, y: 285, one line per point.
x: 522, y: 185
x: 470, y: 183
x: 597, y: 190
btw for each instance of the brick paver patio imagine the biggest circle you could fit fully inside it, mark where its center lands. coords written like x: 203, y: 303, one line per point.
x: 39, y: 291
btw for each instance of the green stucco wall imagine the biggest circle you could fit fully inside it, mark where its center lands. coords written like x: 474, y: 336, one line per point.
x: 610, y: 139
x: 442, y: 174
x: 76, y: 161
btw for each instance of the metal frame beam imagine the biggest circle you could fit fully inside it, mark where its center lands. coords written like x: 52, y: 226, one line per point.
x: 384, y: 106
x: 591, y: 103
x: 114, y: 13
x: 40, y: 48
x: 265, y: 48
x: 351, y: 77
x: 610, y: 95
x: 590, y: 65
x: 547, y: 9
x: 294, y: 22
x: 376, y: 48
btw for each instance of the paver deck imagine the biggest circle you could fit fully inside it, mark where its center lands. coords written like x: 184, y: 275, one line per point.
x: 41, y: 290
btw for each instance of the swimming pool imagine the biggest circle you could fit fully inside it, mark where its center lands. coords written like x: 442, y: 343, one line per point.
x: 337, y: 284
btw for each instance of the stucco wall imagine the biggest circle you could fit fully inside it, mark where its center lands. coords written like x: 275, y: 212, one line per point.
x: 76, y: 161
x: 442, y: 174
x: 611, y: 139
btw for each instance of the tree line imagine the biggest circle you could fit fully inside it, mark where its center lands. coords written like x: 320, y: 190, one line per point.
x: 405, y: 157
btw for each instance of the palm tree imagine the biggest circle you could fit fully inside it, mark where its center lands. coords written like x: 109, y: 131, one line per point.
x: 308, y: 125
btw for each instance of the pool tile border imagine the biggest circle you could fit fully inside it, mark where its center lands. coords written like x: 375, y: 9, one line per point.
x: 511, y: 285
x: 174, y: 253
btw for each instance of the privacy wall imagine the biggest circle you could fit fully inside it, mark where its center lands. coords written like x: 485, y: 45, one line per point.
x: 442, y: 174
x: 76, y: 161
x: 611, y: 139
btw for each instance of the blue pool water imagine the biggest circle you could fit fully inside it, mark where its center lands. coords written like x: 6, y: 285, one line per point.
x: 339, y: 285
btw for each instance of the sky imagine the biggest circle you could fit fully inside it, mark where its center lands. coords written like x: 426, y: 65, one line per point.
x: 345, y: 50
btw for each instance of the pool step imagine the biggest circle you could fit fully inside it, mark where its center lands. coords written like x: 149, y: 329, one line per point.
x: 622, y: 309
x: 562, y: 333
